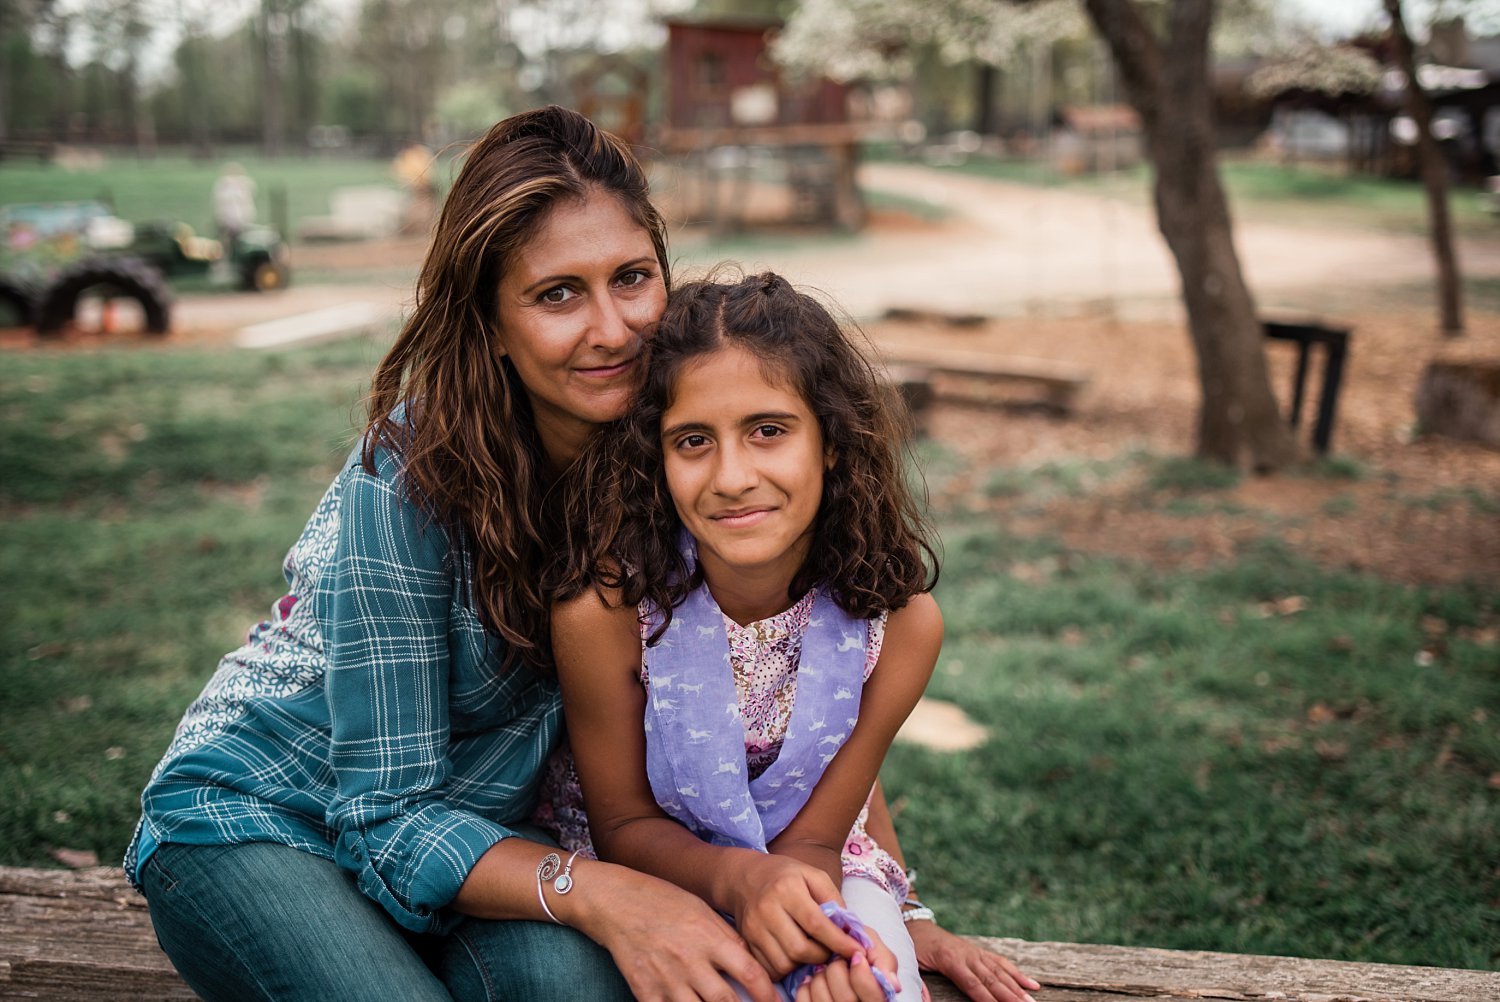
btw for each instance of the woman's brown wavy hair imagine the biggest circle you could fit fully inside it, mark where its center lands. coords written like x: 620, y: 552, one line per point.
x: 451, y: 405
x: 872, y: 547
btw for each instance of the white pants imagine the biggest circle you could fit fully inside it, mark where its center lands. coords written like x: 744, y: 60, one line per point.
x: 882, y: 916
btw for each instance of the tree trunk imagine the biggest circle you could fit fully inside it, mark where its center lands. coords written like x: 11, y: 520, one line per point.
x: 985, y: 76
x: 1434, y: 169
x: 1169, y: 87
x: 272, y: 70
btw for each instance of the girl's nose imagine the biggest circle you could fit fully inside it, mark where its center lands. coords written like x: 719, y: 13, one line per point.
x: 734, y: 471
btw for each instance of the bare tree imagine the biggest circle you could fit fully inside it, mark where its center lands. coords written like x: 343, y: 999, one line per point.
x: 272, y: 24
x: 1165, y: 74
x: 1434, y: 169
x: 1167, y: 80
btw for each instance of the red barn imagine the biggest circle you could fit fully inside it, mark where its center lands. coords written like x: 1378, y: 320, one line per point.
x: 719, y: 74
x: 729, y: 108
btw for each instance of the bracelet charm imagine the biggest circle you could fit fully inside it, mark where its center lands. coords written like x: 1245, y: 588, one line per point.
x: 546, y: 870
x: 564, y: 882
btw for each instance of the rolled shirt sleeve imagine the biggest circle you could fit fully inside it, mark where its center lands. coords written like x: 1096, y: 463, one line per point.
x: 385, y: 604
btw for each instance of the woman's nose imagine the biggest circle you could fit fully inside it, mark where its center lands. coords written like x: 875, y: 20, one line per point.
x: 610, y: 327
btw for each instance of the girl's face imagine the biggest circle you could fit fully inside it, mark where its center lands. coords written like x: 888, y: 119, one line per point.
x: 744, y: 464
x: 572, y: 307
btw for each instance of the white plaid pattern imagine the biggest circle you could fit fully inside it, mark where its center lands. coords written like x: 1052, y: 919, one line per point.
x: 368, y: 719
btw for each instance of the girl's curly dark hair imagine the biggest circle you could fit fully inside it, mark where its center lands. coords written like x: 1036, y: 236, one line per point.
x: 872, y: 546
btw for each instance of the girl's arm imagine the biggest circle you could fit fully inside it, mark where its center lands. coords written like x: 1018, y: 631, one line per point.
x: 597, y: 648
x: 913, y: 636
x: 980, y: 974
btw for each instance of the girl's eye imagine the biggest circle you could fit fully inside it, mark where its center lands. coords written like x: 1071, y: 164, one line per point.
x: 557, y: 294
x: 769, y: 431
x: 692, y: 441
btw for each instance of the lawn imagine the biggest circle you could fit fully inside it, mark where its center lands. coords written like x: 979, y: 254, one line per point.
x: 177, y: 187
x: 1183, y: 759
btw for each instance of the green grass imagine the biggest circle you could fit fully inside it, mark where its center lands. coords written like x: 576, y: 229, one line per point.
x: 1169, y: 766
x: 1170, y: 763
x: 147, y: 501
x: 178, y: 188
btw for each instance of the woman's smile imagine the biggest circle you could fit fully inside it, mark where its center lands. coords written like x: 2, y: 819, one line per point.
x: 573, y: 309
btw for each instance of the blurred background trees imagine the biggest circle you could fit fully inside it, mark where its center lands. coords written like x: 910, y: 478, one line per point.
x: 289, y: 75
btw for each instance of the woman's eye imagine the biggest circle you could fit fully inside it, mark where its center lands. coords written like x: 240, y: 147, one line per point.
x: 635, y: 277
x: 557, y: 294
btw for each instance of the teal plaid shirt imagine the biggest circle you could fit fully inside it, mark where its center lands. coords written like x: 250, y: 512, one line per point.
x: 368, y: 720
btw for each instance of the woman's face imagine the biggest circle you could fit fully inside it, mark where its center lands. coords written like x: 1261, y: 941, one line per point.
x: 572, y: 308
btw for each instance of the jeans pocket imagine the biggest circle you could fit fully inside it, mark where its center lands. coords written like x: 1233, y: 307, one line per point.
x: 155, y: 874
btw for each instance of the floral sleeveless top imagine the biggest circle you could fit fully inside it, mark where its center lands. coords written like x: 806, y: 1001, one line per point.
x: 764, y: 656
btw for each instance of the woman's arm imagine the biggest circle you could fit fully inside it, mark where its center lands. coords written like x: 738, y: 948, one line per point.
x: 383, y: 604
x: 663, y: 939
x: 597, y: 648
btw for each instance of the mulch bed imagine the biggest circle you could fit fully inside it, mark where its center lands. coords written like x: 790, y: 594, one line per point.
x: 1419, y: 509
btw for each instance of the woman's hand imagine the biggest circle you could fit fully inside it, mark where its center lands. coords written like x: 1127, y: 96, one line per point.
x: 980, y: 974
x: 777, y: 908
x: 667, y: 943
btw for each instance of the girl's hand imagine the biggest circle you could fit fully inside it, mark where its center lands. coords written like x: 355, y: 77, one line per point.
x: 981, y: 975
x: 846, y: 981
x: 778, y: 910
x: 667, y: 943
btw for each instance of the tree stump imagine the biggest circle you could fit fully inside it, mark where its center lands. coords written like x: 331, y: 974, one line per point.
x: 1460, y: 398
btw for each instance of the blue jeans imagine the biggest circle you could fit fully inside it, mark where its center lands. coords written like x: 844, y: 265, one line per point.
x: 260, y: 921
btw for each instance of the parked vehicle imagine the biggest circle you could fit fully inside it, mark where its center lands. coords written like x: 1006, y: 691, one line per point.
x: 78, y: 263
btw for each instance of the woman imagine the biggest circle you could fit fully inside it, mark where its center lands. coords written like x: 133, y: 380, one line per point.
x: 337, y: 816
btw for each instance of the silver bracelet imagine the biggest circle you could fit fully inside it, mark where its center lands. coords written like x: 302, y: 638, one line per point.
x: 548, y: 869
x: 918, y: 914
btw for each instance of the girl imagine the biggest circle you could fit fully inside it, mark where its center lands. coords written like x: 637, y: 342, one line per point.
x: 768, y: 618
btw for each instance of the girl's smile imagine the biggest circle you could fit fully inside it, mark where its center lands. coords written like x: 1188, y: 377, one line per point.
x: 744, y: 463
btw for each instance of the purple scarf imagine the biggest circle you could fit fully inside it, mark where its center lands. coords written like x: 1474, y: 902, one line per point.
x: 695, y: 740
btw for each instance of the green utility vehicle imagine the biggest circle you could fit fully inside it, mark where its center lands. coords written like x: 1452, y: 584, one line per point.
x: 78, y: 263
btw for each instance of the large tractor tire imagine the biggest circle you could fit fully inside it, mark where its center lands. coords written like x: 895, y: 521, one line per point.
x: 17, y: 303
x: 108, y: 279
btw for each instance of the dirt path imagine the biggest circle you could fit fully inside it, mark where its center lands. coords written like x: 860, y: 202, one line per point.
x: 1069, y: 275
x: 1007, y: 249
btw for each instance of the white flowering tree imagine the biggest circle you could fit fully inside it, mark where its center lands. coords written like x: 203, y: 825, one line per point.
x: 1161, y: 53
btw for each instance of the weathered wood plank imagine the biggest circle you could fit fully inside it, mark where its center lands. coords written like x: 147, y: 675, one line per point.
x: 987, y: 364
x: 972, y: 375
x: 78, y: 935
x: 1188, y: 974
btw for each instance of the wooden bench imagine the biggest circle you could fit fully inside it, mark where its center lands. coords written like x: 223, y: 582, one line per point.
x: 976, y: 375
x: 85, y: 935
